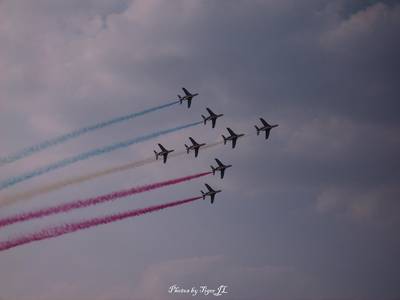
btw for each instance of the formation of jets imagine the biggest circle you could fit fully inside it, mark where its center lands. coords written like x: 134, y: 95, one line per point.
x: 196, y: 146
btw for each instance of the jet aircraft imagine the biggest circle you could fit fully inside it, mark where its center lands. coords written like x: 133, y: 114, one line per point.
x: 195, y: 146
x: 211, y: 192
x: 188, y: 97
x: 265, y: 127
x: 164, y: 152
x: 221, y: 167
x: 213, y: 117
x: 232, y: 137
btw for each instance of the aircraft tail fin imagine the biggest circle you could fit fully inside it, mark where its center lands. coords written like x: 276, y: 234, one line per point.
x: 224, y: 139
x: 156, y: 154
x: 258, y: 129
x: 204, y: 119
x: 203, y: 194
x: 180, y: 99
x: 213, y: 170
x: 187, y: 148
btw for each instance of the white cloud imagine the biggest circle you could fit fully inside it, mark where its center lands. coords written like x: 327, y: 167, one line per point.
x: 321, y: 137
x: 374, y: 20
x: 374, y: 205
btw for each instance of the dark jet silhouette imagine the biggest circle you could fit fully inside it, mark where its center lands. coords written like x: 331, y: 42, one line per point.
x: 211, y: 192
x: 213, y: 117
x: 164, y: 152
x: 188, y: 97
x: 233, y: 137
x: 221, y: 167
x: 265, y: 127
x: 195, y: 146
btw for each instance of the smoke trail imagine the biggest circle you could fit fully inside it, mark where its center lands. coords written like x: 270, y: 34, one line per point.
x: 212, y: 145
x: 68, y: 161
x: 6, y: 200
x: 74, y: 134
x: 72, y: 227
x: 63, y: 208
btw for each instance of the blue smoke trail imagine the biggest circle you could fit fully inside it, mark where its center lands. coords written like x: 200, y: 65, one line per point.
x: 74, y: 134
x: 68, y: 161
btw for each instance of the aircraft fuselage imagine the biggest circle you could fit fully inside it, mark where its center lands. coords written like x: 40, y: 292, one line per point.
x: 221, y: 168
x: 232, y: 137
x: 264, y: 128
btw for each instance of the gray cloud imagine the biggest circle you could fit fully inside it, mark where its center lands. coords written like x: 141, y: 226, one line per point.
x: 244, y: 281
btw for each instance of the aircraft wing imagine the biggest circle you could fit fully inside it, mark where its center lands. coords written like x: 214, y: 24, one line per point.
x: 189, y: 101
x: 210, y: 112
x: 186, y: 92
x: 165, y: 157
x: 196, y: 152
x: 267, y: 133
x: 213, y: 122
x: 212, y: 198
x: 219, y: 162
x: 222, y: 173
x: 234, y: 142
x: 264, y: 122
x: 208, y: 187
x: 162, y: 147
x: 193, y: 141
x: 230, y: 131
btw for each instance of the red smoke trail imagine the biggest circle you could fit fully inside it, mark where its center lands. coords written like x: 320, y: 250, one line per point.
x: 72, y: 227
x: 62, y: 208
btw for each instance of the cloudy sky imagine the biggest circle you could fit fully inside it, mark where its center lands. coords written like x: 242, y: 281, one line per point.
x: 310, y: 214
